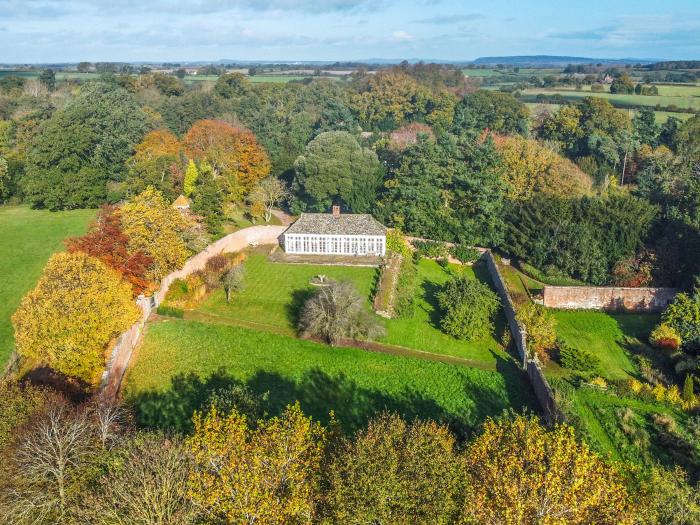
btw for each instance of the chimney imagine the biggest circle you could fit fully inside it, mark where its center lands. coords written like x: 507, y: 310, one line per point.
x: 336, y: 211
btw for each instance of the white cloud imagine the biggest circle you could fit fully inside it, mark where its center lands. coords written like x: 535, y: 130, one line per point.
x: 402, y: 36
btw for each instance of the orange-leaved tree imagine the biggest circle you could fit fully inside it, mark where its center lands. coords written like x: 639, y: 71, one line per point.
x: 106, y: 241
x: 520, y: 472
x: 157, y: 161
x: 268, y: 474
x: 233, y: 152
x: 76, y: 308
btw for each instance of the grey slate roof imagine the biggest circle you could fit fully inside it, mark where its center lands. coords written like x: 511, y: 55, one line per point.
x: 344, y: 224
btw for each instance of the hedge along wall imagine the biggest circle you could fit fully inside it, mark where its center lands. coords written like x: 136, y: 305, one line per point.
x: 127, y: 341
x: 543, y: 392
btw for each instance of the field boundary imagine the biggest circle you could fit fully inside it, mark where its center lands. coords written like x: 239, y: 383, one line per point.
x: 129, y: 339
x: 532, y: 366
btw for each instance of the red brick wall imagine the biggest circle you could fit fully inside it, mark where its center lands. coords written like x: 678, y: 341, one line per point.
x: 608, y: 298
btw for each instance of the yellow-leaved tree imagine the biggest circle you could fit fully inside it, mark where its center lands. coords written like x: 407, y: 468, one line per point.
x: 76, y: 308
x: 155, y: 228
x: 532, y: 167
x: 520, y: 472
x: 264, y: 475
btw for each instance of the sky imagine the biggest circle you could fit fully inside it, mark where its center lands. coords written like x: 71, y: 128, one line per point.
x: 44, y: 31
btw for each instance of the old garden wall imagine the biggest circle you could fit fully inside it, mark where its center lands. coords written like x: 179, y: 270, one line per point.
x: 127, y: 341
x: 608, y: 298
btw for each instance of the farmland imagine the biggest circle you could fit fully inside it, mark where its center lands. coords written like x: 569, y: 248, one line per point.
x: 27, y: 239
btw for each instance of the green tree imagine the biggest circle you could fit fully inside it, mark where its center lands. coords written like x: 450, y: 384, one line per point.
x: 622, y: 84
x: 208, y: 199
x: 688, y: 389
x: 683, y: 315
x: 468, y: 308
x: 493, y: 111
x: 48, y: 79
x: 395, y: 472
x: 232, y: 85
x: 541, y: 329
x: 81, y: 148
x: 645, y: 127
x: 233, y: 281
x: 4, y: 180
x: 191, y: 176
x: 335, y: 169
x: 168, y: 85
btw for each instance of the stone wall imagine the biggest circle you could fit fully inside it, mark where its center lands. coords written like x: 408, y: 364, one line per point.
x: 531, y: 365
x: 608, y: 298
x: 127, y: 341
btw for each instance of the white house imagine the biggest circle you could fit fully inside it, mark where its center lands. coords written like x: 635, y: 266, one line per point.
x: 335, y: 234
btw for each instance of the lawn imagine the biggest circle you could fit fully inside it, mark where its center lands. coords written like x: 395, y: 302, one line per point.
x: 617, y: 99
x: 27, y: 239
x: 610, y: 336
x: 274, y: 293
x: 181, y: 362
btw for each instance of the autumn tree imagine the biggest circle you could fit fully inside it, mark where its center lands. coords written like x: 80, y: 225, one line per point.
x: 541, y: 328
x: 146, y: 485
x: 191, y: 175
x: 155, y: 229
x: 4, y: 180
x: 532, y: 167
x: 519, y: 472
x: 268, y: 193
x: 155, y: 162
x: 266, y: 474
x: 106, y: 241
x: 76, y: 308
x: 233, y: 152
x: 395, y: 472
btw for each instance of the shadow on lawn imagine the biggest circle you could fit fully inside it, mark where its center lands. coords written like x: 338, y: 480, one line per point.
x: 293, y: 309
x: 318, y: 393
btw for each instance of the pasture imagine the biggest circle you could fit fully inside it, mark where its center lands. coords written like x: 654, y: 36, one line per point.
x: 27, y: 239
x: 181, y: 362
x: 689, y: 100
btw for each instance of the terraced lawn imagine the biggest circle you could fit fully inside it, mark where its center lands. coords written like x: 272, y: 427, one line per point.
x: 27, y: 239
x: 181, y: 362
x: 274, y: 293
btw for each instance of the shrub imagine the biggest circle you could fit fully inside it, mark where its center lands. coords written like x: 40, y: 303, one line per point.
x: 170, y: 311
x: 541, y: 327
x: 233, y: 281
x: 468, y: 308
x: 665, y: 337
x: 396, y: 243
x: 465, y: 254
x: 336, y: 312
x: 431, y: 249
x: 683, y: 315
x: 688, y: 389
x: 578, y: 359
x: 217, y: 263
x: 406, y: 285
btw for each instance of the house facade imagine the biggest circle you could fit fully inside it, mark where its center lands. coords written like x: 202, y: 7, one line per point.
x: 335, y: 234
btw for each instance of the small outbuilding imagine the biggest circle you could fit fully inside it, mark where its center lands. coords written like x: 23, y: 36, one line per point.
x: 335, y: 234
x: 182, y: 203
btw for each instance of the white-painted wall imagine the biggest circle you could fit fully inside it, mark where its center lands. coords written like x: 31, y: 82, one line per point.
x: 335, y: 244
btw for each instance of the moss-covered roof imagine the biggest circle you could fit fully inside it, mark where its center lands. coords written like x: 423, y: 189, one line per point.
x: 343, y: 224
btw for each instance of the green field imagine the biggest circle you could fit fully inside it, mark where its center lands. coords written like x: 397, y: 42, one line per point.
x: 181, y: 362
x: 274, y: 292
x: 618, y: 100
x: 613, y: 337
x: 27, y: 239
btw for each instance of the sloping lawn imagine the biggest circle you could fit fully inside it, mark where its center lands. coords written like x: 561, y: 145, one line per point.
x: 181, y: 362
x: 610, y: 336
x: 275, y: 292
x: 27, y: 239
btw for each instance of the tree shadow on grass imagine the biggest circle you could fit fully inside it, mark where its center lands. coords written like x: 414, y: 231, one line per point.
x: 430, y: 290
x: 293, y: 308
x: 318, y: 393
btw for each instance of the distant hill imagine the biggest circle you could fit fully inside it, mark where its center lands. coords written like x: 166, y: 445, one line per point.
x: 557, y: 61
